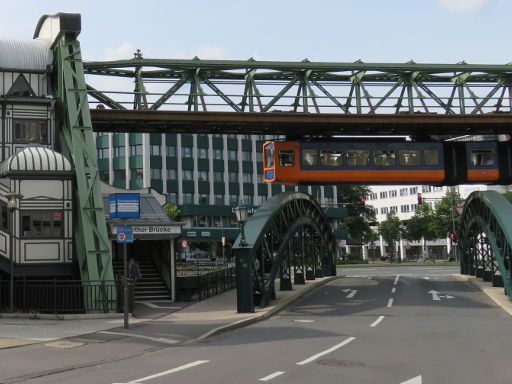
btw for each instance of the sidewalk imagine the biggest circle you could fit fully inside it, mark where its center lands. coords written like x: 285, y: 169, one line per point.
x: 186, y: 321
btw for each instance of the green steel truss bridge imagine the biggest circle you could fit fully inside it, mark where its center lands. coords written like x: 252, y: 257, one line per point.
x: 290, y: 232
x: 299, y: 98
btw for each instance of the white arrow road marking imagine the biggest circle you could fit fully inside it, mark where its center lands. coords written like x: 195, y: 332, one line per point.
x: 177, y: 369
x: 414, y: 380
x: 351, y: 294
x: 437, y: 297
x: 271, y: 376
x: 332, y: 349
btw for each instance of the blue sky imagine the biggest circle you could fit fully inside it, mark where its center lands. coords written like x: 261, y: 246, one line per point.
x: 435, y: 31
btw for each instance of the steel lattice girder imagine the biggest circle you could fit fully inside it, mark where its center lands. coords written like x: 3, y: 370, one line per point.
x: 287, y: 217
x: 91, y: 237
x: 486, y: 236
x: 265, y: 86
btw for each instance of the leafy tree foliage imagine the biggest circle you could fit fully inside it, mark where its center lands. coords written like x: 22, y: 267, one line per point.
x: 359, y: 215
x: 422, y: 224
x: 390, y: 230
x: 444, y: 218
x: 172, y: 211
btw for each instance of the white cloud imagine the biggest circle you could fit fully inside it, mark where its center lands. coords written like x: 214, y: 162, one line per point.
x: 462, y: 6
x: 122, y: 52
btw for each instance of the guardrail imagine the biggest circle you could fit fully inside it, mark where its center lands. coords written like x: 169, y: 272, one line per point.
x: 193, y: 286
x: 63, y: 296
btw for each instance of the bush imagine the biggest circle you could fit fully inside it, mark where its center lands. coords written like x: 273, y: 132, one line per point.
x: 354, y: 256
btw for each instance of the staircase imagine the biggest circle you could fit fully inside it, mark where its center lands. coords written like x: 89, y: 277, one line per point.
x: 150, y: 287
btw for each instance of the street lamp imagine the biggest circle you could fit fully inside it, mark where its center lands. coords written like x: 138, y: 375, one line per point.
x: 241, y: 216
x: 12, y: 203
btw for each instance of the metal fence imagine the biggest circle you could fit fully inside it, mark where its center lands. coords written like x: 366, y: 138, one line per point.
x: 63, y: 296
x: 205, y: 283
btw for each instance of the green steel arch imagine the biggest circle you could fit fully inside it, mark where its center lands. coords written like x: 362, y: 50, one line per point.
x: 287, y: 236
x: 485, y: 239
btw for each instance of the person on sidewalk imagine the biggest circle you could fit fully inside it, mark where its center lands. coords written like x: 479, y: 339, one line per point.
x: 133, y: 271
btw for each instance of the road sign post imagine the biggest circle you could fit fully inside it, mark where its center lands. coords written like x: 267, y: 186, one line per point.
x: 124, y: 206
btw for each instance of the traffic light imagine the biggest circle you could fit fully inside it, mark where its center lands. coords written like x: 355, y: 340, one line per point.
x: 362, y: 201
x: 420, y: 199
x: 453, y: 237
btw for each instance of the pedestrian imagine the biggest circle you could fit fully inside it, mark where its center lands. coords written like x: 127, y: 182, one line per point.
x: 133, y: 271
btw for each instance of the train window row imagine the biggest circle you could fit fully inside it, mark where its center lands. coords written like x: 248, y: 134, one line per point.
x: 361, y: 157
x: 482, y: 157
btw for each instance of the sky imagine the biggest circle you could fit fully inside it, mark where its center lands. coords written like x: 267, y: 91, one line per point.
x: 426, y: 31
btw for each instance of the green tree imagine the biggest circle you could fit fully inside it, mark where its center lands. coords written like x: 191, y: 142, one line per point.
x: 390, y: 230
x: 359, y: 215
x: 444, y: 218
x: 172, y: 211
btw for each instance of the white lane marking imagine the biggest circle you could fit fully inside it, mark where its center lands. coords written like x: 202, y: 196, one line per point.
x: 159, y: 339
x: 414, y: 380
x: 393, y: 290
x: 376, y: 322
x: 177, y: 369
x: 304, y: 321
x: 390, y: 303
x: 271, y: 376
x: 332, y: 349
x: 351, y: 293
x: 396, y: 280
x: 152, y: 305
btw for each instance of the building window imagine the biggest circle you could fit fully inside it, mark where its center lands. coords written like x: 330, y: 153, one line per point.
x: 136, y: 174
x: 384, y: 195
x: 31, y: 131
x: 41, y: 224
x: 232, y: 154
x: 136, y: 150
x: 171, y: 174
x: 155, y: 150
x: 156, y: 173
x: 4, y: 217
x: 219, y: 200
x: 119, y: 174
x: 217, y: 154
x: 119, y: 151
x: 384, y: 210
x: 187, y: 174
x: 188, y: 198
x: 171, y: 151
x: 248, y: 200
x: 104, y: 176
x: 186, y: 152
x: 103, y: 153
x: 246, y: 156
x: 247, y: 177
x: 234, y: 200
x: 172, y: 198
x: 218, y: 176
x: 426, y: 189
x: 203, y: 199
x: 233, y: 177
x: 203, y: 153
x: 405, y: 208
x: 392, y: 193
x: 202, y: 175
x: 403, y: 192
x: 413, y: 190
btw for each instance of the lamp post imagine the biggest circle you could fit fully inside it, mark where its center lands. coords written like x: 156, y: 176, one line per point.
x: 12, y: 203
x: 241, y: 216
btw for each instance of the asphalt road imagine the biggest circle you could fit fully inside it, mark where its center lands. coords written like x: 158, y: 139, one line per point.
x: 397, y: 326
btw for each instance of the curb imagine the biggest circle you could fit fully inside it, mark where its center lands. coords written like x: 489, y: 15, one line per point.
x: 265, y: 314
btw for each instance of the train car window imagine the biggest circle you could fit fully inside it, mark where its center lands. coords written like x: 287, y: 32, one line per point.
x: 481, y: 157
x: 358, y: 157
x: 309, y: 157
x: 331, y: 157
x: 384, y: 158
x: 431, y: 157
x: 269, y: 156
x: 409, y: 157
x: 286, y: 158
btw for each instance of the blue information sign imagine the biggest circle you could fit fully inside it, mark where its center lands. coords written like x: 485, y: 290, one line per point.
x: 124, y: 206
x: 124, y: 235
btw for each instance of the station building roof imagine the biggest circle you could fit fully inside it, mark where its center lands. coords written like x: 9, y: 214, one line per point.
x: 24, y: 55
x: 35, y: 160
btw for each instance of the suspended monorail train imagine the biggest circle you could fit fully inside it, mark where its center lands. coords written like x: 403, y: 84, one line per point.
x: 387, y: 162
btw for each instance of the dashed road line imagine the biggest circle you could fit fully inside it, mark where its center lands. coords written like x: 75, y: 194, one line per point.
x: 376, y: 322
x: 396, y: 280
x: 332, y: 349
x: 271, y: 376
x: 390, y: 303
x: 393, y: 290
x: 177, y: 369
